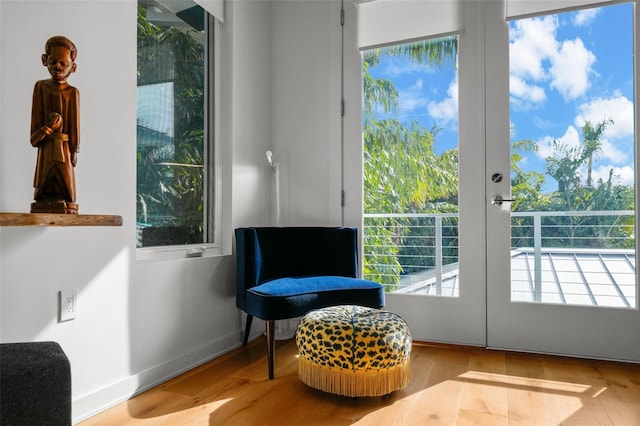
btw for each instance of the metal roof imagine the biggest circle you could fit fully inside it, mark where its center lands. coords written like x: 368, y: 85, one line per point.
x: 574, y: 277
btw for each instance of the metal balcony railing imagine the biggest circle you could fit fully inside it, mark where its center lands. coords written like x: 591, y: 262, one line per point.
x: 405, y: 251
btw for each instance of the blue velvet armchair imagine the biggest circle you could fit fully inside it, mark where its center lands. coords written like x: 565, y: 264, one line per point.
x: 286, y: 272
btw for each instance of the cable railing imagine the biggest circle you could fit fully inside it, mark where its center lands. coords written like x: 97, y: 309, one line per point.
x: 405, y: 251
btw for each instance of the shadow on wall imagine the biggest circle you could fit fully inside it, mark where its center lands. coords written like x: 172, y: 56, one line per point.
x: 182, y: 313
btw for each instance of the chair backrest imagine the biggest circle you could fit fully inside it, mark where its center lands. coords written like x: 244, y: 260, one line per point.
x: 267, y: 253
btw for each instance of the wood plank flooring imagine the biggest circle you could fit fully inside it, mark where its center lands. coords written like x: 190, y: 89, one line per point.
x: 448, y: 386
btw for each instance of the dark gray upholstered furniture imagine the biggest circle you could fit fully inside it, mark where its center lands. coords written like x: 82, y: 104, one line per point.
x: 286, y: 272
x: 35, y: 384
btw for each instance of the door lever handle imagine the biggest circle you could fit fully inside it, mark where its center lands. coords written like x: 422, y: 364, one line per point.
x: 497, y: 200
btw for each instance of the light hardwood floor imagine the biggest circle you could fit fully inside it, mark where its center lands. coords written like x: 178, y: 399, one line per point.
x: 448, y: 386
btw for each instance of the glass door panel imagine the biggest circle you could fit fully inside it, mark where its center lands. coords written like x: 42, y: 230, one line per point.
x: 422, y: 234
x: 561, y: 233
x: 572, y: 152
x: 410, y: 128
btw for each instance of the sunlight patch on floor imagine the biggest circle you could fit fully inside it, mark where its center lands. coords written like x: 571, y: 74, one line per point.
x: 213, y: 406
x: 525, y: 382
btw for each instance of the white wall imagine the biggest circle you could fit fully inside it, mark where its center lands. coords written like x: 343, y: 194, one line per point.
x: 141, y: 322
x: 98, y: 262
x: 250, y: 79
x: 305, y: 109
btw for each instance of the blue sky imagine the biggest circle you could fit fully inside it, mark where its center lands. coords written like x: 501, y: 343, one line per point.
x: 564, y: 69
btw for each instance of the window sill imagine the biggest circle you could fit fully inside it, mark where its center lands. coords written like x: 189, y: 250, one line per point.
x: 55, y: 219
x: 196, y: 251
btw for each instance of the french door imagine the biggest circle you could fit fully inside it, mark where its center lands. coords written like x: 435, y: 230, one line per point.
x: 561, y: 282
x: 430, y: 254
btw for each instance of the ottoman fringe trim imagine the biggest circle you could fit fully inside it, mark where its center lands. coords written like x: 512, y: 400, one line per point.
x: 354, y: 383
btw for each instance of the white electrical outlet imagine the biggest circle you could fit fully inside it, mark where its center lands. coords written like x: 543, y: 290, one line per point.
x: 68, y: 304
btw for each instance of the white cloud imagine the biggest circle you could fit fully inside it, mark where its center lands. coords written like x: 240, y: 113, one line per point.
x: 542, y: 124
x: 610, y: 152
x: 532, y: 42
x: 584, y: 18
x: 545, y: 147
x: 410, y: 101
x: 413, y: 98
x: 571, y: 138
x: 536, y: 56
x: 446, y: 111
x: 621, y: 175
x: 571, y: 68
x: 524, y: 93
x: 617, y: 140
x: 617, y: 108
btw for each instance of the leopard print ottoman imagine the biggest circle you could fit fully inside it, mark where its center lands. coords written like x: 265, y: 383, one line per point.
x: 353, y: 351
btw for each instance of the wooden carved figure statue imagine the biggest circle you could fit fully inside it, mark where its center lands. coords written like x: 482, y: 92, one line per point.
x: 55, y: 130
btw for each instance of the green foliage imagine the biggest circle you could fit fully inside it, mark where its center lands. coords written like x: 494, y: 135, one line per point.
x: 588, y: 231
x: 170, y: 172
x: 564, y: 166
x: 380, y: 253
x: 402, y: 173
x: 418, y: 247
x: 432, y: 53
x: 377, y: 92
x: 525, y: 186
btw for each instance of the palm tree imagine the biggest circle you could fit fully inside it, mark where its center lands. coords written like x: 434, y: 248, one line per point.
x: 401, y: 172
x: 407, y: 151
x: 592, y: 145
x: 566, y: 160
x: 381, y: 93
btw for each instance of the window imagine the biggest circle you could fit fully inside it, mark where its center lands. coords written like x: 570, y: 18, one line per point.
x: 410, y: 129
x: 175, y: 143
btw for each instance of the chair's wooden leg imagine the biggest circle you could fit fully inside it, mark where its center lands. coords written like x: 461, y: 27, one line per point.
x: 247, y: 329
x: 271, y: 348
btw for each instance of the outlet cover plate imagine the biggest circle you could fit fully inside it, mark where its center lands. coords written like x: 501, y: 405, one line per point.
x: 68, y: 304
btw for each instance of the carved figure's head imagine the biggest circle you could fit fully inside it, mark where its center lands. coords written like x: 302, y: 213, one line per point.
x: 59, y: 57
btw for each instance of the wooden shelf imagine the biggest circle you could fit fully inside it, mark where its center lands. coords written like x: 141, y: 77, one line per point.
x: 54, y: 219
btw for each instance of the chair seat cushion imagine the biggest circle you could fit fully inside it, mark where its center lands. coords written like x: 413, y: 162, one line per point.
x: 292, y: 297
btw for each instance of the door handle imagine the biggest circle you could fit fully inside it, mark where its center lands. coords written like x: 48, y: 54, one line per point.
x: 497, y: 200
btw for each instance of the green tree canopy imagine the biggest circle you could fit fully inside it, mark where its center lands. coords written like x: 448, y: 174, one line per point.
x: 402, y: 172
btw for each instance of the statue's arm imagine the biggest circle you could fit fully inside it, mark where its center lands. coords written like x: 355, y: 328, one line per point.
x: 40, y: 134
x: 74, y: 128
x: 39, y: 130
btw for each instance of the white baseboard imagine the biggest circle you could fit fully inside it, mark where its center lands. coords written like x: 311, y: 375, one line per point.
x: 285, y: 329
x: 86, y: 406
